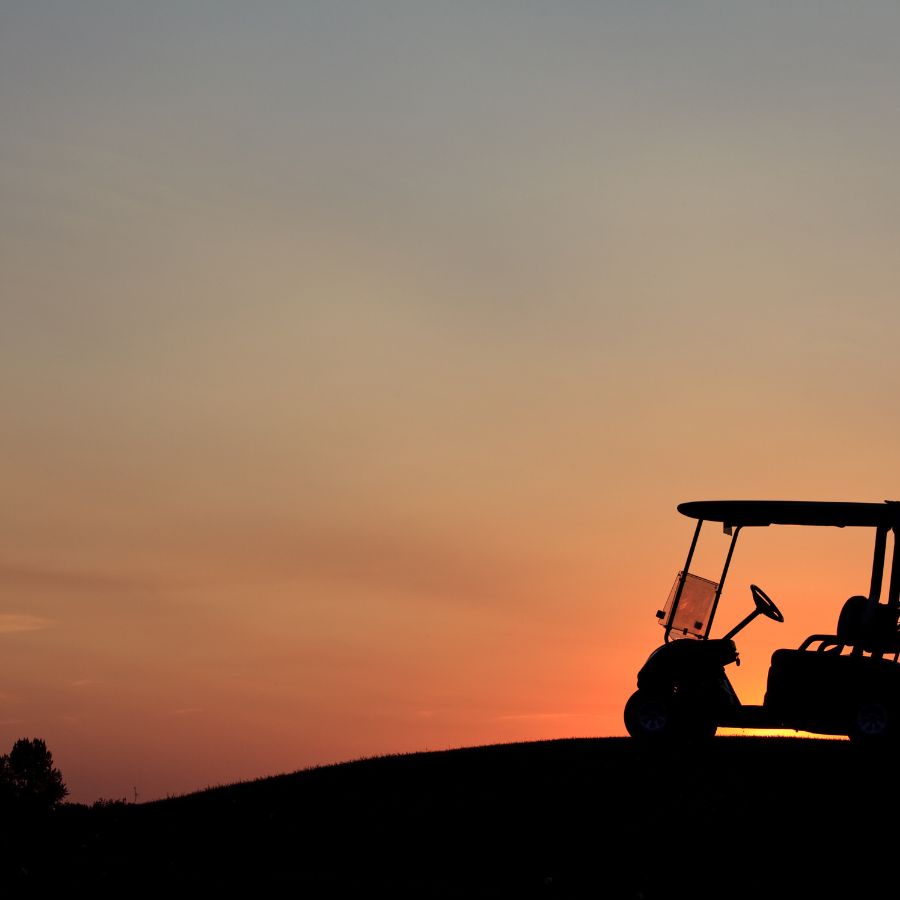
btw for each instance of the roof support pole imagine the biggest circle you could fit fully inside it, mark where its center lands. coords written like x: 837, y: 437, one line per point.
x: 878, y: 563
x: 894, y: 589
x: 712, y: 615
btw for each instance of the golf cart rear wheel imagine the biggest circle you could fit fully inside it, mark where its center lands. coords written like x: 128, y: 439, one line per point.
x: 873, y: 722
x: 660, y: 717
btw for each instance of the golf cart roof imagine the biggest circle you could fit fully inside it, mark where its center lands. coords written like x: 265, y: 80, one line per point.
x: 794, y: 512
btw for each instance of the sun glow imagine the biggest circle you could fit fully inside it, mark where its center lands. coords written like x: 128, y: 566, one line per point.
x: 776, y: 732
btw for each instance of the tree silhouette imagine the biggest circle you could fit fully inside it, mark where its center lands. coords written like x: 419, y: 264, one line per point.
x: 28, y: 777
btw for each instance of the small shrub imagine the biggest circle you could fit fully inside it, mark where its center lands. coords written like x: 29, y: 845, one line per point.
x: 106, y: 803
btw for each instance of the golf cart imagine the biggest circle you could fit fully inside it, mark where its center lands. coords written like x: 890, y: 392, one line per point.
x: 846, y: 682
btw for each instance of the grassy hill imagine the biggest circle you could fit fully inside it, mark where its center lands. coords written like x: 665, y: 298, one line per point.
x: 606, y: 817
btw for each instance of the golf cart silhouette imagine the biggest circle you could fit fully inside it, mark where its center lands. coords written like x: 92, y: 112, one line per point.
x: 842, y: 683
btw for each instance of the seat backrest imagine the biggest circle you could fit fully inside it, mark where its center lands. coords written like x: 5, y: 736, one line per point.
x: 869, y: 626
x: 850, y: 627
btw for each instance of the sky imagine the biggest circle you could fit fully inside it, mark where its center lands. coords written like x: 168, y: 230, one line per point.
x: 356, y: 356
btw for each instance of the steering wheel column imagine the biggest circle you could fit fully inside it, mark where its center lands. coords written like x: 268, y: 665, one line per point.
x: 763, y: 606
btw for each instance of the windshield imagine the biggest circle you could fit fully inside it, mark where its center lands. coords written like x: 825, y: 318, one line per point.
x: 691, y: 618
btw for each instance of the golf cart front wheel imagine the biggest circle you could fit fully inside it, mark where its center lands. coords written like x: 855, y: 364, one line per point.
x: 648, y: 716
x: 659, y: 717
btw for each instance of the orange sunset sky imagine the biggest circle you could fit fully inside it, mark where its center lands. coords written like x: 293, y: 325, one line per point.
x: 356, y: 356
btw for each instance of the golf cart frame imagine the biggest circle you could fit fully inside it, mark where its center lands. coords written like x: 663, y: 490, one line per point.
x: 846, y: 682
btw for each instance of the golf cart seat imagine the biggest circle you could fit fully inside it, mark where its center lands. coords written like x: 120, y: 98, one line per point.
x: 812, y: 677
x: 862, y: 627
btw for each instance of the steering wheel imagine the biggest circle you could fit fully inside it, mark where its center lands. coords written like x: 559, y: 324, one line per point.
x: 765, y: 604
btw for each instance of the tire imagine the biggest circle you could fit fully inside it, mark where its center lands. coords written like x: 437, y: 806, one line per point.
x: 873, y: 722
x: 657, y: 718
x: 648, y: 717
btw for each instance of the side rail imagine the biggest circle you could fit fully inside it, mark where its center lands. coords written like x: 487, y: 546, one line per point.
x: 831, y: 643
x: 828, y: 643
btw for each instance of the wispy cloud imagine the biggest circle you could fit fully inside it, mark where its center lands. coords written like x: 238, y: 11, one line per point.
x: 397, y: 561
x: 11, y: 623
x: 22, y: 575
x: 538, y: 715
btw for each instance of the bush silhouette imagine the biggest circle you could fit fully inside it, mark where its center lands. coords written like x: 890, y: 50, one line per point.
x: 28, y: 778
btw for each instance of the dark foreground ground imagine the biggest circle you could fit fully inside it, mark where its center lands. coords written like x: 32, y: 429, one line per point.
x: 740, y: 817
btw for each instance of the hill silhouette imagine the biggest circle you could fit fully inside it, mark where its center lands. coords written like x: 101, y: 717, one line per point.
x: 580, y: 817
